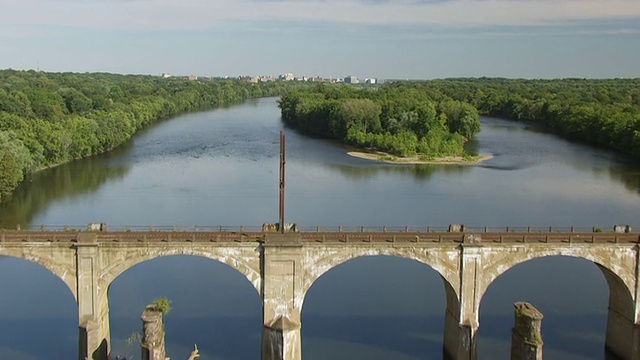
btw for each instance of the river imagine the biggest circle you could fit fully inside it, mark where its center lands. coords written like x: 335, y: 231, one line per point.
x: 220, y: 167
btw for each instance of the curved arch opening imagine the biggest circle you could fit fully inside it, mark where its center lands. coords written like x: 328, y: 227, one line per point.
x: 38, y: 312
x: 570, y: 292
x: 213, y: 305
x: 374, y: 307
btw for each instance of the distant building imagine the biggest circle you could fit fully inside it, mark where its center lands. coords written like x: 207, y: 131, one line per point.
x: 193, y: 77
x: 371, y: 81
x: 166, y: 75
x: 250, y: 79
x: 286, y: 77
x: 265, y: 78
x: 317, y: 79
x: 351, y: 80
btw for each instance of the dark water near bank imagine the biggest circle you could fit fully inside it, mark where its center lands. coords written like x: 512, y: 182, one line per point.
x: 221, y: 168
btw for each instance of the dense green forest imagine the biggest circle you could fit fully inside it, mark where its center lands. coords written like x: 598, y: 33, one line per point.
x: 402, y: 120
x: 600, y: 112
x: 51, y: 118
x: 410, y: 116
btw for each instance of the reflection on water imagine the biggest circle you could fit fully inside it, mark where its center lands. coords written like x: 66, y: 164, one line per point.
x: 62, y: 183
x: 221, y: 168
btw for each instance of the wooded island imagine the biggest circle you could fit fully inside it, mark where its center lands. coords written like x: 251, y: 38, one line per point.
x: 433, y: 118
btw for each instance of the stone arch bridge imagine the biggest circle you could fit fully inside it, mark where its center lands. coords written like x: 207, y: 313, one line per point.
x: 282, y: 267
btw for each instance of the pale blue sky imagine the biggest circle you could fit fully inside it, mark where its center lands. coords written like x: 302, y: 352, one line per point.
x: 414, y: 39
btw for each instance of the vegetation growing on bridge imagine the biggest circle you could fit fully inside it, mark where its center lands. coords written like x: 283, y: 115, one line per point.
x: 398, y: 119
x: 51, y: 118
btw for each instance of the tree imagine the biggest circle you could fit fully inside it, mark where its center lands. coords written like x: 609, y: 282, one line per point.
x: 462, y: 118
x: 15, y: 160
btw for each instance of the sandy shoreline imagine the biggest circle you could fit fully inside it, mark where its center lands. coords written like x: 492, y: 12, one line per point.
x: 388, y: 158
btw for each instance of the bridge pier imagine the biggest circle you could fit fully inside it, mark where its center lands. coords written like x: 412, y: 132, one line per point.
x: 93, y: 306
x: 281, y: 280
x: 623, y: 337
x: 459, y: 339
x: 622, y: 340
x: 461, y: 318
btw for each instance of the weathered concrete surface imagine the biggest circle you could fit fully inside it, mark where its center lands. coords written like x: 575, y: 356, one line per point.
x: 152, y: 344
x: 93, y: 306
x: 282, y: 297
x: 282, y: 267
x: 526, y: 335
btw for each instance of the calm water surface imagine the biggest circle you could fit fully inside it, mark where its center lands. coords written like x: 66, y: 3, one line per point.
x: 220, y: 167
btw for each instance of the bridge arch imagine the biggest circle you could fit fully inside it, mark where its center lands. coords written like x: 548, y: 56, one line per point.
x: 40, y: 308
x: 245, y: 260
x: 562, y: 297
x: 63, y: 266
x: 614, y: 263
x: 221, y: 305
x: 324, y: 299
x: 317, y: 263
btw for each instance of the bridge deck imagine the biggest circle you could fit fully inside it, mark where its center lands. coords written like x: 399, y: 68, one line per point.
x: 71, y: 237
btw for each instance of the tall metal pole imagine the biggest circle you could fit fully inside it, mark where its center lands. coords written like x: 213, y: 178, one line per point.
x: 281, y: 182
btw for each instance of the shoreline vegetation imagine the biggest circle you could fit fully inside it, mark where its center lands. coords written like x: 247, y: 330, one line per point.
x: 419, y: 160
x: 395, y: 120
x: 49, y: 119
x: 436, y: 117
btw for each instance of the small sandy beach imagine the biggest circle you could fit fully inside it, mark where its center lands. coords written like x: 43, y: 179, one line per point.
x: 388, y: 158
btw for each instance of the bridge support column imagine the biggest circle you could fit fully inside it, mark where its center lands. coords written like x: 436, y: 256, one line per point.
x: 93, y: 307
x: 281, y: 338
x: 461, y: 318
x: 623, y: 321
x: 623, y: 337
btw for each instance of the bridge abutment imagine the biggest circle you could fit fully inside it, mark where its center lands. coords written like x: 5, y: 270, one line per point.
x: 281, y: 337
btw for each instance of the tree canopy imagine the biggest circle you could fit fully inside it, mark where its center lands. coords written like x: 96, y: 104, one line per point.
x: 50, y: 118
x: 435, y: 116
x: 401, y: 120
x: 600, y: 112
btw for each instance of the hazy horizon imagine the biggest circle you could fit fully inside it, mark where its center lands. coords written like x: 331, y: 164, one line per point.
x: 384, y: 39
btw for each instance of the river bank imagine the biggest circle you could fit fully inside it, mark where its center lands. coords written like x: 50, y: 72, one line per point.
x: 417, y: 160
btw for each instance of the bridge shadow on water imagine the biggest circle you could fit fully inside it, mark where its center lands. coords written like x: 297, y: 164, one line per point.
x: 217, y: 338
x: 569, y: 337
x: 371, y: 337
x: 27, y: 339
x: 410, y: 337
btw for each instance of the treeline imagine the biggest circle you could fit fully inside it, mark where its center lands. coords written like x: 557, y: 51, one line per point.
x: 401, y: 120
x: 601, y: 112
x: 51, y: 118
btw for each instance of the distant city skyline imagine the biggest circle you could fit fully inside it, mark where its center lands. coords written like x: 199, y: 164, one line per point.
x: 383, y: 39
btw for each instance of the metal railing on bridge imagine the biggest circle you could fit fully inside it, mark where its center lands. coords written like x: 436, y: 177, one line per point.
x: 454, y: 233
